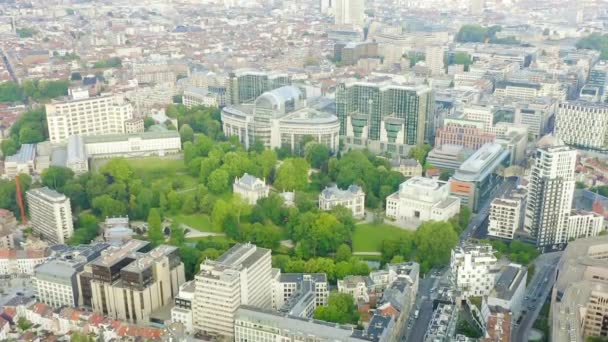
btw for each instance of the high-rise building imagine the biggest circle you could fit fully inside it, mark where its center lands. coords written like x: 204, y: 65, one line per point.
x: 550, y: 192
x: 583, y: 124
x: 129, y: 282
x: 241, y: 276
x: 349, y: 12
x: 506, y: 216
x: 50, y: 215
x: 598, y: 77
x: 246, y: 85
x: 84, y: 115
x: 434, y: 59
x: 385, y: 117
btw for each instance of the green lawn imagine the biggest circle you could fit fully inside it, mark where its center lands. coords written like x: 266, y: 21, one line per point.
x: 155, y: 168
x: 199, y: 222
x: 369, y: 237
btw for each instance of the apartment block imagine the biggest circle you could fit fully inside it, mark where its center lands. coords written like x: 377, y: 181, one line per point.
x: 506, y: 216
x: 285, y: 285
x: 84, y: 115
x: 583, y: 124
x: 241, y: 276
x: 472, y: 269
x: 50, y: 215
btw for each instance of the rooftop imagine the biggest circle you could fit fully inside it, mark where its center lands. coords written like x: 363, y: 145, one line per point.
x: 482, y: 163
x: 508, y: 282
x: 126, y: 137
x: 26, y: 154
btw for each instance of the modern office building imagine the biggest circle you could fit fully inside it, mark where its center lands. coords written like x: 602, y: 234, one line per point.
x: 352, y: 198
x: 351, y: 52
x: 181, y: 312
x: 474, y: 181
x: 550, y: 192
x: 434, y: 59
x: 422, y: 199
x: 448, y: 157
x: 132, y: 145
x: 385, y: 117
x: 129, y: 282
x: 84, y: 115
x: 472, y: 267
x: 56, y: 281
x: 241, y: 276
x: 50, y: 215
x: 598, y: 77
x: 583, y: 124
x: 349, y: 12
x: 194, y: 96
x: 246, y: 85
x: 519, y: 90
x: 281, y: 118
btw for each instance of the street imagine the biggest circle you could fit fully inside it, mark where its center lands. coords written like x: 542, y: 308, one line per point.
x: 536, y: 293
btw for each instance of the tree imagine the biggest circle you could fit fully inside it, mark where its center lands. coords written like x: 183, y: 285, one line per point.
x: 9, y: 147
x: 148, y: 121
x: 106, y: 206
x: 316, y: 154
x: 471, y: 33
x: 191, y: 258
x: 340, y: 309
x: 117, y: 168
x: 434, y: 242
x: 155, y: 232
x: 87, y: 230
x: 218, y: 182
x: 186, y: 133
x: 24, y: 324
x: 266, y: 162
x: 420, y: 152
x: 10, y: 92
x: 344, y: 253
x: 292, y: 175
x: 55, y: 177
x: 178, y: 236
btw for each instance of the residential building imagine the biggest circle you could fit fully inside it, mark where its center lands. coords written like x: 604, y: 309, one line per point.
x: 506, y: 215
x: 258, y: 324
x: 519, y: 90
x: 583, y: 124
x: 135, y: 125
x: 194, y: 96
x: 353, y: 198
x: 465, y: 133
x: 56, y: 280
x: 409, y: 167
x: 434, y: 59
x: 8, y: 225
x: 181, y: 312
x: 246, y: 85
x: 422, y: 199
x: 87, y: 116
x: 349, y: 12
x: 583, y: 224
x: 250, y: 188
x: 550, y: 192
x: 508, y: 292
x: 16, y: 262
x: 443, y: 323
x: 24, y: 161
x: 385, y: 117
x: 472, y: 269
x: 474, y: 181
x: 281, y: 118
x: 50, y: 215
x: 285, y: 285
x: 357, y: 286
x: 241, y: 276
x: 130, y: 282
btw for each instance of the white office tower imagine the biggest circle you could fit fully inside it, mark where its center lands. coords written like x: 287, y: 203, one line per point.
x: 241, y: 276
x: 349, y: 12
x: 476, y: 7
x: 550, y: 192
x: 472, y: 269
x: 50, y: 215
x: 434, y: 56
x: 583, y: 124
x: 327, y: 6
x: 84, y: 115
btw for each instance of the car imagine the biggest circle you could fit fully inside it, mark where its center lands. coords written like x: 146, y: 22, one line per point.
x: 526, y: 298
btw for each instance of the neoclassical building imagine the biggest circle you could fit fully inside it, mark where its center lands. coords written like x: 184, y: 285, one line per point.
x: 281, y: 118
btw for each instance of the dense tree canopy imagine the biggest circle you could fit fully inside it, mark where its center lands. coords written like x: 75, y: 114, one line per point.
x: 340, y: 308
x: 10, y: 92
x: 44, y: 90
x: 595, y: 41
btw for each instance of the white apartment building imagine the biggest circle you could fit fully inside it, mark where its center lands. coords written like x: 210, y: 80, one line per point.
x: 472, y: 268
x: 129, y: 284
x: 505, y: 217
x: 50, y: 215
x: 285, y: 285
x: 352, y: 198
x: 422, y: 199
x: 583, y: 224
x: 241, y: 276
x: 21, y: 262
x: 583, y: 124
x: 550, y: 192
x: 250, y: 188
x: 84, y: 115
x: 132, y: 145
x: 434, y: 56
x: 182, y: 311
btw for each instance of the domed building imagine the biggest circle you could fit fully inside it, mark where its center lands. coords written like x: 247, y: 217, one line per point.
x: 281, y: 118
